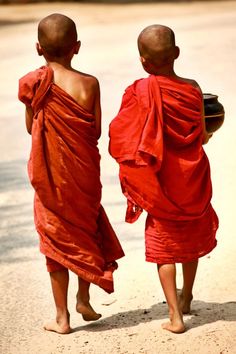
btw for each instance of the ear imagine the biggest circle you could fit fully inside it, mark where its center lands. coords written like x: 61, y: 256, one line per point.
x: 77, y: 47
x: 39, y: 49
x: 176, y: 53
x: 145, y: 63
x: 142, y: 60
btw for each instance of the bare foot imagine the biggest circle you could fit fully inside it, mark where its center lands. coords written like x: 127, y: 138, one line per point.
x: 176, y: 324
x: 184, y: 303
x: 54, y: 326
x: 177, y: 327
x: 87, y: 311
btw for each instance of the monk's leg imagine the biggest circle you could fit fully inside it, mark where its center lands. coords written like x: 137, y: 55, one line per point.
x: 167, y: 275
x: 59, y: 283
x: 83, y: 305
x: 186, y: 295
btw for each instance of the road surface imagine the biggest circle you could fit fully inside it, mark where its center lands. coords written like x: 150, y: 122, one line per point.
x: 132, y: 316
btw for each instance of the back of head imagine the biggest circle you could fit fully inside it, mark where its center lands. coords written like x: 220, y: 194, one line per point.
x: 57, y: 35
x: 156, y: 43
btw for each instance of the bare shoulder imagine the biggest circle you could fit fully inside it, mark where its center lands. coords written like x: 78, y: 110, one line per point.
x: 87, y: 80
x: 84, y: 88
x: 191, y: 82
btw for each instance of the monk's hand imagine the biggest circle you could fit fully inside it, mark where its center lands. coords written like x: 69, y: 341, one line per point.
x: 207, y: 137
x: 137, y: 208
x: 133, y: 211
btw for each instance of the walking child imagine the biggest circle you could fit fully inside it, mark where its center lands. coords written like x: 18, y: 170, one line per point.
x: 157, y: 140
x: 63, y: 115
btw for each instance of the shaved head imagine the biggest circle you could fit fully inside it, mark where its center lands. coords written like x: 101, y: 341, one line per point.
x: 57, y: 35
x: 156, y: 43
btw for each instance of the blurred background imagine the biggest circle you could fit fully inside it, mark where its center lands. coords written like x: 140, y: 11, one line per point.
x: 206, y: 34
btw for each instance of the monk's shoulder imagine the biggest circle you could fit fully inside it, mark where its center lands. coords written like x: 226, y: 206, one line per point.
x: 86, y: 77
x: 191, y: 82
x: 136, y: 86
x: 30, y: 77
x: 88, y: 81
x: 28, y: 84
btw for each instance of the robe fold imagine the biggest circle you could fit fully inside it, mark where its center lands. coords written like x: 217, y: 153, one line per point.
x: 157, y: 140
x: 64, y: 170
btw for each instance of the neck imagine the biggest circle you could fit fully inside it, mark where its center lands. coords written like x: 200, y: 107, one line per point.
x: 166, y: 69
x: 59, y: 63
x: 165, y: 72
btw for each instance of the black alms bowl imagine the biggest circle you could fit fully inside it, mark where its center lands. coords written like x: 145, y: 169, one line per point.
x: 214, y: 112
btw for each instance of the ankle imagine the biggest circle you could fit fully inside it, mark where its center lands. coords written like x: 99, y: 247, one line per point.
x: 186, y: 294
x: 185, y: 302
x: 62, y: 315
x: 83, y: 298
x: 174, y: 311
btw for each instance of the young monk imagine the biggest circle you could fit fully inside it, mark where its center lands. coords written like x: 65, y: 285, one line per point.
x: 157, y: 140
x: 63, y: 115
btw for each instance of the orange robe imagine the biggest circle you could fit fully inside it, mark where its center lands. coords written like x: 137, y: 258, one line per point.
x: 64, y: 169
x: 157, y: 140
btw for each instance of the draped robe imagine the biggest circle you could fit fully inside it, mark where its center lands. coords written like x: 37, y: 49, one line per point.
x: 64, y: 170
x: 156, y: 138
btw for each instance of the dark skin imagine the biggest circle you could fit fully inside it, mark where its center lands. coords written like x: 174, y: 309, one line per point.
x: 82, y: 87
x: 157, y: 54
x: 85, y: 90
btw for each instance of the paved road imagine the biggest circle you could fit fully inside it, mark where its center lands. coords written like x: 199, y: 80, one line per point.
x: 206, y: 34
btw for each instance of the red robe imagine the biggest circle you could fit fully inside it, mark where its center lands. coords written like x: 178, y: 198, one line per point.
x: 157, y: 140
x: 64, y: 169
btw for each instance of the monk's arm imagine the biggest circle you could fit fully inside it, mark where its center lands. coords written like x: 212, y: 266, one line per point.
x: 29, y: 118
x: 97, y: 111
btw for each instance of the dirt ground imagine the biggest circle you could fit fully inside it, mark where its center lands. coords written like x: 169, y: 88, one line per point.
x: 132, y: 316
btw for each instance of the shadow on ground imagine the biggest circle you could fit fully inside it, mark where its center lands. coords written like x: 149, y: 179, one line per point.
x: 202, y: 313
x: 15, y: 22
x: 16, y: 213
x: 17, y: 233
x: 13, y: 176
